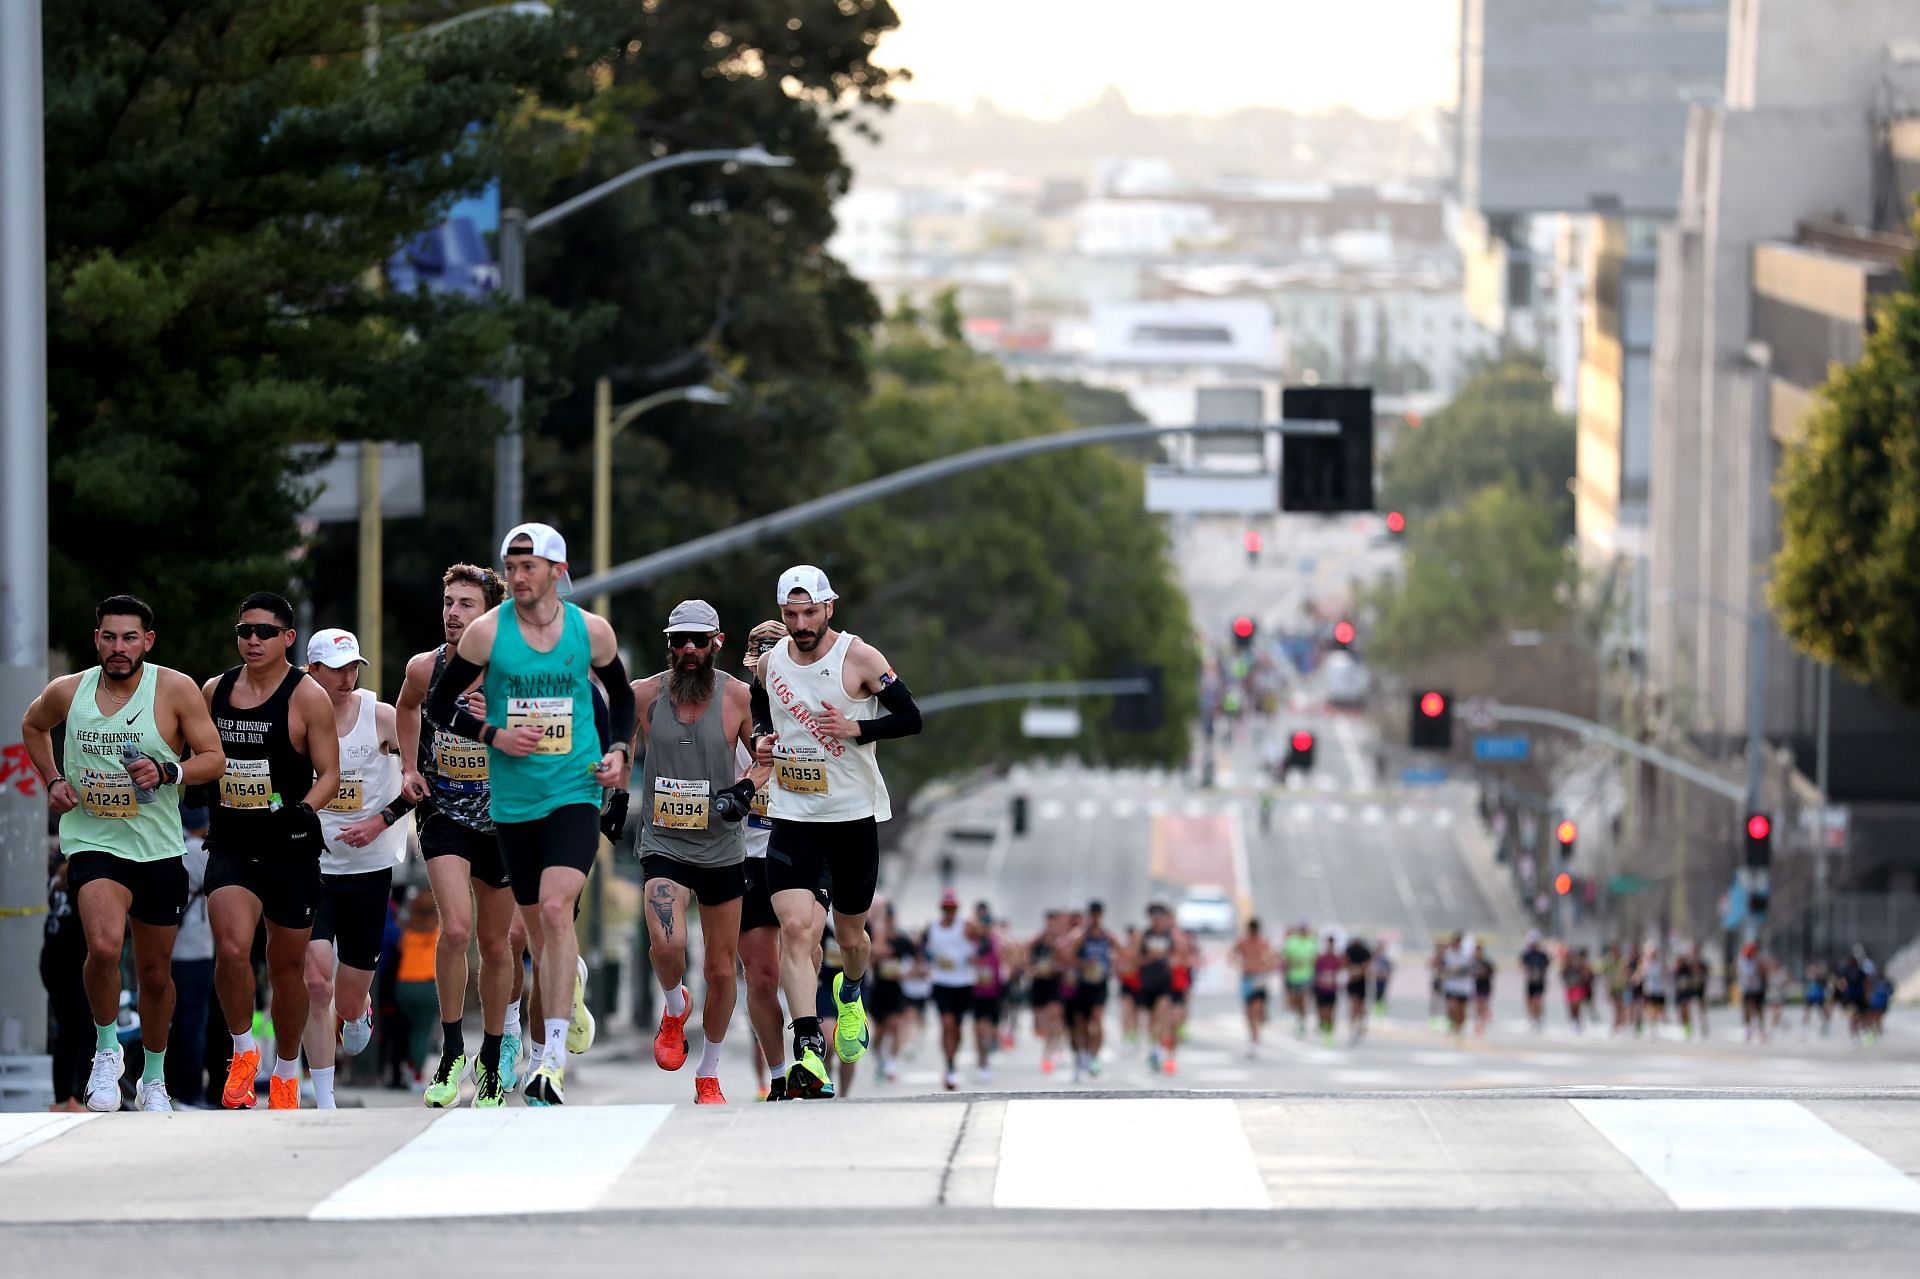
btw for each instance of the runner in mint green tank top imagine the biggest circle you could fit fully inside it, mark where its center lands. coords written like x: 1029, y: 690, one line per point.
x: 108, y: 818
x: 550, y: 690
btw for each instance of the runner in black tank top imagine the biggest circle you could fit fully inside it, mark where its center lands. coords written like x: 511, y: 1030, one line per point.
x: 264, y: 845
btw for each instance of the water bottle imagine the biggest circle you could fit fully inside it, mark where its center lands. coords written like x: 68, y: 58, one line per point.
x: 129, y: 756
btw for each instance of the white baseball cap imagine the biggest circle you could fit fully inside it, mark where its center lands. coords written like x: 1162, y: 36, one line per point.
x: 335, y: 648
x: 547, y: 544
x: 807, y: 578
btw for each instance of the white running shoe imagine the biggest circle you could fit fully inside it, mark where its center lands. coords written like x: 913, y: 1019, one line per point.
x: 952, y: 1080
x: 355, y: 1035
x: 103, y: 1085
x: 153, y: 1098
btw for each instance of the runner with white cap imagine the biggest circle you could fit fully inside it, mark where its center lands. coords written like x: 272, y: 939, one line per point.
x: 544, y: 759
x: 833, y: 696
x: 365, y: 828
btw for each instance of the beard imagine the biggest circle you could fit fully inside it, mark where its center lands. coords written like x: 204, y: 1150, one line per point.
x: 121, y: 677
x: 690, y: 682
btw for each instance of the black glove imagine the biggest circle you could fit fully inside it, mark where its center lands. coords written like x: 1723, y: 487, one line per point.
x: 300, y: 831
x: 733, y: 803
x: 613, y: 818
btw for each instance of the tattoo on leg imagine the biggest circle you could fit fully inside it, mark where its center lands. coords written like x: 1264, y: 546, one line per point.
x: 662, y: 902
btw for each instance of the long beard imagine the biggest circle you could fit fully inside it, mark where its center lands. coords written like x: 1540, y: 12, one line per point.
x: 691, y: 687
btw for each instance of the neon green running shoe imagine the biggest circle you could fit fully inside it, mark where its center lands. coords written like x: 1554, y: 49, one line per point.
x: 851, y: 1036
x: 488, y: 1094
x: 580, y: 1026
x: 444, y: 1089
x: 808, y: 1079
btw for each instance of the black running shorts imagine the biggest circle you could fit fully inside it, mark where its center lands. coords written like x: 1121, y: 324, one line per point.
x: 711, y: 885
x: 756, y: 909
x: 569, y: 836
x: 847, y: 851
x: 353, y: 916
x: 442, y: 836
x: 159, y: 888
x: 288, y: 892
x: 953, y: 1001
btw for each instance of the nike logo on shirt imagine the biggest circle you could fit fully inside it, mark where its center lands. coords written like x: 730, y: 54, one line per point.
x: 133, y: 717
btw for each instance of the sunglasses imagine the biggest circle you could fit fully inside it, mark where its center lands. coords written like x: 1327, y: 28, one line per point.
x: 259, y: 630
x: 696, y: 639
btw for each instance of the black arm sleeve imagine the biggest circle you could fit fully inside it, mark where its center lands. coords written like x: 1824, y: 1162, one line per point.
x: 760, y: 708
x: 460, y: 674
x: 902, y: 719
x: 620, y: 705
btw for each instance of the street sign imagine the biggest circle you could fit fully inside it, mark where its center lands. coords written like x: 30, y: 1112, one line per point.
x: 1174, y: 491
x: 1503, y: 750
x: 1628, y: 885
x: 1479, y: 714
x: 1422, y: 776
x: 337, y: 498
x: 1050, y: 721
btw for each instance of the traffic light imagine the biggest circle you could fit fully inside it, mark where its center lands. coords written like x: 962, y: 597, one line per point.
x: 1343, y: 634
x: 1299, y: 752
x: 1019, y: 814
x: 1565, y: 834
x: 1563, y: 883
x: 1432, y: 721
x: 1254, y: 543
x: 1758, y: 899
x: 1327, y: 472
x: 1759, y: 840
x: 1243, y: 629
x: 1141, y: 712
x: 1396, y: 523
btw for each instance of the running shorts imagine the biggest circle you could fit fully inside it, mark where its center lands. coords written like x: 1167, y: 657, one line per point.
x: 849, y: 852
x: 442, y: 836
x: 289, y: 892
x: 711, y: 885
x: 159, y: 888
x: 569, y: 836
x: 352, y: 914
x: 953, y: 1001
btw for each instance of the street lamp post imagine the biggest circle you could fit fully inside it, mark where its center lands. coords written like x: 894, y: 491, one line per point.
x: 607, y: 424
x: 515, y: 226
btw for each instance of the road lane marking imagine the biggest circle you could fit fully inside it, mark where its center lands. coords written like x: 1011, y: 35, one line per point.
x: 1115, y: 1155
x: 20, y: 1133
x: 560, y: 1159
x: 1372, y: 815
x: 1123, y: 808
x: 1408, y: 816
x: 1052, y: 810
x: 1087, y: 809
x: 1745, y: 1154
x: 1336, y: 812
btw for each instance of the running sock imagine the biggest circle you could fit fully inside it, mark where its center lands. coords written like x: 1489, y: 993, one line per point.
x: 105, y: 1038
x: 322, y: 1077
x: 284, y: 1069
x: 709, y: 1066
x: 453, y: 1040
x: 512, y: 1026
x: 243, y: 1042
x: 490, y: 1051
x: 155, y: 1068
x: 556, y: 1040
x: 850, y: 988
x: 776, y: 1073
x: 677, y: 1000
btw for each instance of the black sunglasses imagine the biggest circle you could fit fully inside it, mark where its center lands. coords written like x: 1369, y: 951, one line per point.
x: 698, y: 639
x: 259, y: 630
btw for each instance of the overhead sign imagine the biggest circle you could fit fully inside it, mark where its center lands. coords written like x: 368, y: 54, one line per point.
x: 1479, y: 714
x: 1050, y: 721
x: 1422, y: 776
x: 1503, y: 750
x: 1174, y: 491
x: 402, y: 492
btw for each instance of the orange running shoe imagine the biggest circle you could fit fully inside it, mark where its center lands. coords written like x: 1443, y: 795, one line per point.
x: 283, y: 1094
x: 670, y: 1043
x: 1171, y: 1068
x: 241, y: 1071
x: 706, y: 1091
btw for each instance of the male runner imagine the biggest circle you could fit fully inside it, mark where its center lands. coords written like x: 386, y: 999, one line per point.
x: 992, y: 985
x: 1359, y: 957
x: 1253, y: 955
x: 447, y: 774
x: 544, y: 758
x: 1535, y: 963
x: 894, y: 954
x: 1297, y: 955
x: 1161, y: 949
x: 365, y: 828
x: 949, y: 946
x: 264, y: 841
x: 693, y: 719
x: 833, y: 696
x: 130, y: 728
x: 1043, y: 988
x: 1327, y: 967
x: 1092, y: 947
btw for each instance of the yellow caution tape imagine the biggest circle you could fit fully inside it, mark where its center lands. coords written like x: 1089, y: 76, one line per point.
x: 15, y: 912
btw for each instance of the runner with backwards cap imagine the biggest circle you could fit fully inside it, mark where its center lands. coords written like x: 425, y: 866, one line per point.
x: 832, y: 696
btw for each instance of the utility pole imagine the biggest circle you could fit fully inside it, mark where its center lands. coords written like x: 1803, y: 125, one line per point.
x: 23, y: 525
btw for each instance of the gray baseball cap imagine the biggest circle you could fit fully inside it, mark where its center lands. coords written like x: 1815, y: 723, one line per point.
x: 693, y: 615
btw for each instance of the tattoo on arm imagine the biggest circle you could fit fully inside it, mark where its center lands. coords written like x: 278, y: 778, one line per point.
x: 661, y: 900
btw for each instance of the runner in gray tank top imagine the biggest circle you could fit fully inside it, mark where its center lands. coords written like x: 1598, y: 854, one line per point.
x: 692, y: 721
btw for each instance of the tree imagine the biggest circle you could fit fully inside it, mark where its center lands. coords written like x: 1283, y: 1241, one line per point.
x: 1848, y: 571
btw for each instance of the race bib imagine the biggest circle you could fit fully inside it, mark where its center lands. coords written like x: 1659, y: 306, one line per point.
x: 679, y: 804
x: 889, y: 970
x: 1043, y: 968
x: 459, y: 759
x: 800, y: 769
x: 982, y: 975
x: 1092, y: 972
x: 352, y: 790
x: 247, y: 783
x: 946, y: 963
x: 757, y: 811
x: 108, y: 794
x: 553, y: 716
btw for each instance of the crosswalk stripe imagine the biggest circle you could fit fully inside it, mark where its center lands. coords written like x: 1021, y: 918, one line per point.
x: 1756, y: 1153
x: 562, y: 1159
x: 20, y: 1133
x: 1052, y: 810
x: 1115, y: 1154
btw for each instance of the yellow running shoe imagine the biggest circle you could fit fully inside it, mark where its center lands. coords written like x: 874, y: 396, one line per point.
x: 808, y: 1078
x: 850, y: 1036
x: 548, y: 1085
x: 580, y: 1027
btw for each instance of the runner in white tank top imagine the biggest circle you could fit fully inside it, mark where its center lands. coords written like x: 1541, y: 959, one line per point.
x: 832, y: 697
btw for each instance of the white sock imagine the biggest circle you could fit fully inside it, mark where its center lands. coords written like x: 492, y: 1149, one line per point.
x: 284, y: 1069
x: 322, y: 1087
x: 781, y: 1071
x: 512, y: 1026
x: 556, y: 1039
x: 709, y: 1067
x: 243, y: 1042
x: 676, y: 1000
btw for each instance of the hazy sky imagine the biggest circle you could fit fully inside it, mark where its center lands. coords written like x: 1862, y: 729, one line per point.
x: 1041, y: 57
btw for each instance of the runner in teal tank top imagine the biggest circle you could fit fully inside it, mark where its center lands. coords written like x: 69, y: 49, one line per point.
x: 135, y: 733
x: 544, y: 761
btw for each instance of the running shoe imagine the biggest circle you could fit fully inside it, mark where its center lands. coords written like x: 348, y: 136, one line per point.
x: 1153, y: 1061
x: 510, y: 1062
x: 1093, y: 1067
x: 952, y: 1080
x: 548, y: 1086
x: 850, y: 1036
x: 241, y: 1073
x: 152, y: 1098
x: 670, y: 1041
x: 283, y: 1094
x: 490, y: 1093
x: 580, y: 1027
x: 706, y: 1091
x: 1172, y: 1067
x: 355, y: 1035
x: 808, y: 1079
x: 103, y: 1085
x: 444, y: 1089
x: 1046, y: 1065
x: 776, y: 1090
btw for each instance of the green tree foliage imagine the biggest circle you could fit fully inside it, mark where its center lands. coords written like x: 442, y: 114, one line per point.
x: 1848, y: 573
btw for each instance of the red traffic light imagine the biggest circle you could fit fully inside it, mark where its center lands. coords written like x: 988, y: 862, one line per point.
x: 1303, y: 741
x: 1343, y: 632
x: 1432, y: 705
x: 1758, y: 827
x: 1243, y: 627
x: 1254, y: 540
x: 1563, y: 883
x: 1396, y: 522
x: 1566, y: 832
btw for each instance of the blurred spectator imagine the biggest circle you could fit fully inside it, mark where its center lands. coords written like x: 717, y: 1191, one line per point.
x: 62, y: 952
x: 413, y: 986
x: 192, y: 974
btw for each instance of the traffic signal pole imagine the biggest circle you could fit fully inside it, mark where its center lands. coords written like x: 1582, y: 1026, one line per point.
x: 1593, y: 732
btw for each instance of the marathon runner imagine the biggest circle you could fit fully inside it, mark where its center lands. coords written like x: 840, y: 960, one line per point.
x: 949, y: 945
x: 1456, y: 976
x: 1483, y: 974
x: 1359, y: 956
x: 1817, y: 1006
x: 1382, y: 976
x: 1092, y: 947
x: 1535, y: 964
x: 447, y: 775
x: 1327, y: 968
x: 365, y: 831
x: 1162, y: 949
x: 264, y: 842
x: 1297, y: 955
x: 135, y: 733
x: 544, y: 759
x: 833, y: 697
x: 894, y: 953
x: 1653, y: 983
x: 991, y: 978
x: 1576, y: 975
x: 1687, y: 989
x: 1126, y: 962
x: 693, y: 722
x: 1253, y: 956
x: 1043, y: 989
